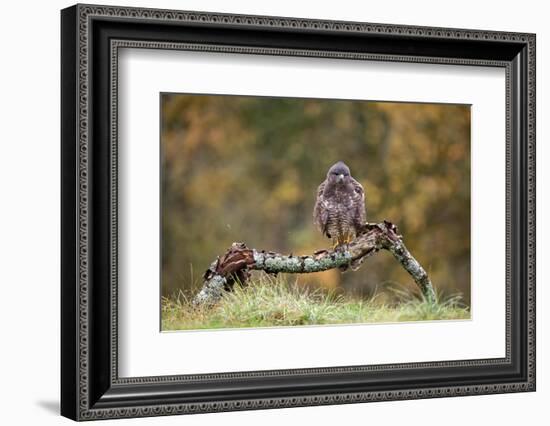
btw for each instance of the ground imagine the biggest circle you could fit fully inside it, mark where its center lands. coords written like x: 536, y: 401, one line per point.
x: 273, y: 302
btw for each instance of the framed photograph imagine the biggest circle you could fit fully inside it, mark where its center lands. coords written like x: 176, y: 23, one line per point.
x: 263, y: 212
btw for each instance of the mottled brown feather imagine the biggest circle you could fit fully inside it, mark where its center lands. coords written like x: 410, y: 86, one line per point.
x: 340, y: 211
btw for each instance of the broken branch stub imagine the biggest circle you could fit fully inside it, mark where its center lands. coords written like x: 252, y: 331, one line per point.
x: 235, y: 265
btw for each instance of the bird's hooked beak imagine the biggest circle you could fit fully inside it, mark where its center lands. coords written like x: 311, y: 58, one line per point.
x: 340, y: 178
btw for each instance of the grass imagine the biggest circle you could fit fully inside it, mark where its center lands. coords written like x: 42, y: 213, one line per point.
x: 273, y: 302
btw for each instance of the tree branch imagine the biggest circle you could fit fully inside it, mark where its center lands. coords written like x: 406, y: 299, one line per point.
x: 235, y: 265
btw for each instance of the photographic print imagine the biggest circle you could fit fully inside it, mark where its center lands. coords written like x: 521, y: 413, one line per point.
x: 312, y: 211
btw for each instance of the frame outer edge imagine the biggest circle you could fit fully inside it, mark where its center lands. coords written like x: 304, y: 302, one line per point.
x: 531, y: 213
x: 83, y: 207
x: 69, y: 288
x: 83, y: 13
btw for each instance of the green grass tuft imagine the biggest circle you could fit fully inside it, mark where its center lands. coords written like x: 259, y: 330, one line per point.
x: 273, y: 302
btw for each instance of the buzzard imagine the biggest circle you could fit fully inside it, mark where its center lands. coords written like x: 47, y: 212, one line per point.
x: 339, y: 211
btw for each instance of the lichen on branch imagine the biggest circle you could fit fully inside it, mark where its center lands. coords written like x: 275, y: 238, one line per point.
x: 235, y: 265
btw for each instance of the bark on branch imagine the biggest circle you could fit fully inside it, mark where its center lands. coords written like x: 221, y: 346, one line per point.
x: 235, y: 265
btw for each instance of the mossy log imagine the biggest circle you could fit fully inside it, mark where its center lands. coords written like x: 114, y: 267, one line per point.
x: 235, y: 265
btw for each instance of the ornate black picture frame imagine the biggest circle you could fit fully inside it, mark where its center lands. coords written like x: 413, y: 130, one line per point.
x: 91, y: 36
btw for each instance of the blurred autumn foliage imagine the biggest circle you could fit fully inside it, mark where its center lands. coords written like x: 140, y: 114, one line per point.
x: 238, y: 168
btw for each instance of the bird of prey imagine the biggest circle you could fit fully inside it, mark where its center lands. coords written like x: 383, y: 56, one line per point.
x: 340, y: 211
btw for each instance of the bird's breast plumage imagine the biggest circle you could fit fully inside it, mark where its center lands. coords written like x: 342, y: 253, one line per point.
x: 339, y: 210
x: 340, y: 205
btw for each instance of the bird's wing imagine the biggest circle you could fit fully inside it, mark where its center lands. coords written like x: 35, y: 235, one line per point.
x: 361, y: 211
x: 320, y: 213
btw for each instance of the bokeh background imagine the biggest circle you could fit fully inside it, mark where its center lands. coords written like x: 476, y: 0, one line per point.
x: 237, y: 168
